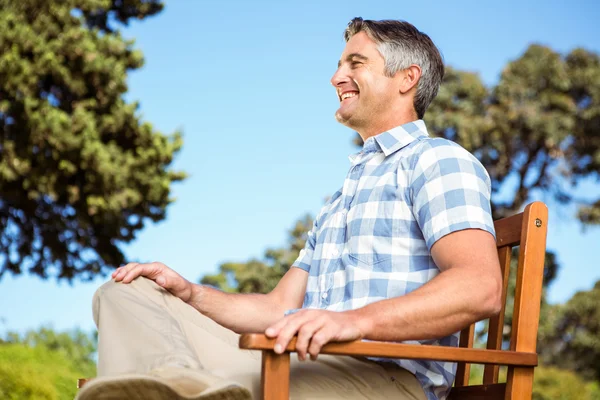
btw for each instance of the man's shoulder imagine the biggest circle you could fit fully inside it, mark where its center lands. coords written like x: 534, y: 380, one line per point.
x: 438, y: 145
x: 431, y: 150
x: 428, y: 154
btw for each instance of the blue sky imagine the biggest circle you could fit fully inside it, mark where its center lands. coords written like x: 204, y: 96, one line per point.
x: 248, y: 83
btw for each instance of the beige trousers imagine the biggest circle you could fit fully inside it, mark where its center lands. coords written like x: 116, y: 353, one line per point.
x: 142, y: 327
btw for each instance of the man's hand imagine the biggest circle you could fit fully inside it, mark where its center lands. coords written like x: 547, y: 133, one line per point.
x: 158, y: 272
x: 315, y: 328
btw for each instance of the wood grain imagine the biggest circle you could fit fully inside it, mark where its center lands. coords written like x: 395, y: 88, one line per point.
x: 255, y: 341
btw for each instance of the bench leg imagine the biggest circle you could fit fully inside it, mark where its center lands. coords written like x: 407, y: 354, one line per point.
x: 275, y: 376
x: 519, y: 383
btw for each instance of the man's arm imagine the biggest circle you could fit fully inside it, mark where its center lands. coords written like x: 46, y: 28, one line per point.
x: 467, y: 289
x: 239, y: 312
x: 252, y: 313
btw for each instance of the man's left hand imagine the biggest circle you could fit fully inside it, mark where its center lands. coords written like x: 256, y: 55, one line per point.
x: 314, y: 328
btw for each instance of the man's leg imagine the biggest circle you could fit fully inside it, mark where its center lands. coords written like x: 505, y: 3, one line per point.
x: 142, y: 327
x: 330, y: 377
x: 144, y: 351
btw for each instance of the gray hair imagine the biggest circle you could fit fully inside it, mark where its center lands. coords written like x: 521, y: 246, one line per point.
x: 402, y: 45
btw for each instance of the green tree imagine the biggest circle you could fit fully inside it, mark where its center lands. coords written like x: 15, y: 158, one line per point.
x: 559, y: 384
x: 44, y: 364
x: 572, y: 340
x: 536, y: 132
x: 80, y: 171
x: 256, y: 276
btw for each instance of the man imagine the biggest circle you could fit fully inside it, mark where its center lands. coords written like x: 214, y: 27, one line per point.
x: 404, y: 251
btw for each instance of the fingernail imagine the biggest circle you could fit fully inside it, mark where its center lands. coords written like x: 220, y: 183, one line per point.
x: 270, y: 331
x: 278, y: 348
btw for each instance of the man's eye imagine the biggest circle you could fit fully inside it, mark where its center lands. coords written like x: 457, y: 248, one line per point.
x: 355, y: 63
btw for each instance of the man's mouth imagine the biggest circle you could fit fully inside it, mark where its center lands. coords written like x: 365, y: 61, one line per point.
x: 348, y: 95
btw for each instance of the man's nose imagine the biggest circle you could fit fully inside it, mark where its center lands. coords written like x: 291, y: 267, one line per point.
x: 339, y: 77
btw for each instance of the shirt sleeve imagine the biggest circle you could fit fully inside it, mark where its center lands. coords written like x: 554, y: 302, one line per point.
x: 450, y: 191
x: 305, y: 257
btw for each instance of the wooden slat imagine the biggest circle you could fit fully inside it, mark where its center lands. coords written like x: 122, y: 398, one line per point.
x: 530, y: 274
x: 508, y: 230
x: 463, y: 370
x: 528, y: 288
x: 496, y: 324
x: 82, y: 381
x: 275, y: 375
x: 478, y: 392
x: 255, y: 341
x: 519, y: 383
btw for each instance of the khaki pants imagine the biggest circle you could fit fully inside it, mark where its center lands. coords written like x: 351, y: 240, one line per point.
x: 142, y: 326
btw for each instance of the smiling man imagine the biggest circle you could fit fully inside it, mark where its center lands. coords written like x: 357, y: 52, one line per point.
x: 404, y: 251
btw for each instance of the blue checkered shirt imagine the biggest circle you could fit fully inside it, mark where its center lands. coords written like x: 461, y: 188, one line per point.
x: 372, y: 239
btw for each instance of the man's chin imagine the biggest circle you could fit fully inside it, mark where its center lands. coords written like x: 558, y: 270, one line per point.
x: 343, y: 117
x: 347, y: 119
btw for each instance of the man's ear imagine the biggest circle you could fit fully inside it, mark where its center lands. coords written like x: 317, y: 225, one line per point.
x: 409, y: 78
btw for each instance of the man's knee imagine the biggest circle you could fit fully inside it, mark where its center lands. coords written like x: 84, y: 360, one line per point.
x: 139, y: 290
x: 139, y: 286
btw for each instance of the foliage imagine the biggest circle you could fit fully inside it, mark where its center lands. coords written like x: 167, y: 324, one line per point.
x: 556, y: 384
x: 574, y: 340
x: 536, y: 132
x: 538, y: 129
x: 256, y: 276
x: 44, y: 364
x: 547, y: 311
x: 549, y: 383
x: 80, y: 171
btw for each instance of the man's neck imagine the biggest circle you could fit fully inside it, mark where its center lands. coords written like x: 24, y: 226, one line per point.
x: 371, y: 131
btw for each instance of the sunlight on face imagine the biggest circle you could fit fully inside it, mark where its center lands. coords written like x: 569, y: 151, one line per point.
x: 365, y: 93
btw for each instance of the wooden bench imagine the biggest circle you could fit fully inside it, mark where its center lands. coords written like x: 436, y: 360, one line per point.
x: 527, y: 230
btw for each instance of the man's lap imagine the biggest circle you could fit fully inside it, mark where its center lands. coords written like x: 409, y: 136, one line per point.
x: 217, y: 349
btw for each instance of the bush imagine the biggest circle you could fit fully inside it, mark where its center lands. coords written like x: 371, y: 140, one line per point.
x: 44, y: 365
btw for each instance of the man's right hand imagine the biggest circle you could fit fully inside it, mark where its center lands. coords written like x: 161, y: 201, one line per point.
x: 158, y: 272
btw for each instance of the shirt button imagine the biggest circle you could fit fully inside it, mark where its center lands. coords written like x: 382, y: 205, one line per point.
x: 324, y: 296
x: 334, y: 253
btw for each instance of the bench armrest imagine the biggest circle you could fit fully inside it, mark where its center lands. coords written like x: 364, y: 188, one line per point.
x: 256, y: 341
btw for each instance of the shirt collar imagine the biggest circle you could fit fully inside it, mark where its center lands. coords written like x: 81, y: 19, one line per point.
x: 393, y: 140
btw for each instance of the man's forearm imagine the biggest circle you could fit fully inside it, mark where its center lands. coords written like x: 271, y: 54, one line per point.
x: 242, y: 313
x: 446, y: 304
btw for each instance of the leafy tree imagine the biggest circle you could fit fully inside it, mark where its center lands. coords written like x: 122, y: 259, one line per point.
x: 44, y: 364
x: 75, y: 345
x: 537, y: 132
x: 80, y: 171
x: 556, y: 384
x: 257, y: 276
x: 538, y: 129
x: 549, y: 383
x: 573, y: 340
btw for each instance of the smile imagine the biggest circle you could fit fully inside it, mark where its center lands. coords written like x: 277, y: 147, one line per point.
x: 347, y: 95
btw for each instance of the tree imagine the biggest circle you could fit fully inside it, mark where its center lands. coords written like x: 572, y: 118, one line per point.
x: 556, y: 384
x: 573, y: 342
x: 536, y: 132
x: 44, y: 364
x: 80, y: 171
x: 256, y: 276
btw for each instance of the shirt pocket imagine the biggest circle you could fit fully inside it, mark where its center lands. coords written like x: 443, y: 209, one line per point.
x: 369, y: 232
x: 368, y: 251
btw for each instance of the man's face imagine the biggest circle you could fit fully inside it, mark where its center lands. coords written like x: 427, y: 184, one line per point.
x: 367, y: 96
